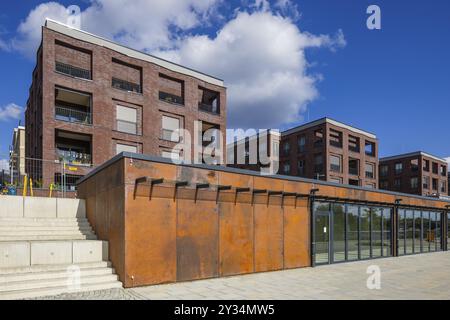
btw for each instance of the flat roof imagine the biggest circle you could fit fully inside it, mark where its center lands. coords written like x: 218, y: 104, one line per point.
x: 330, y: 121
x: 157, y: 159
x: 412, y: 154
x: 97, y: 40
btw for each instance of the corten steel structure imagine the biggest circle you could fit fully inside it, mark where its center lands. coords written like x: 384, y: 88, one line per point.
x: 416, y: 173
x: 91, y: 98
x: 167, y: 222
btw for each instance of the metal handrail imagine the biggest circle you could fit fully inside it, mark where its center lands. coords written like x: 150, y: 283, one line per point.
x: 72, y: 115
x: 125, y: 85
x: 73, y: 71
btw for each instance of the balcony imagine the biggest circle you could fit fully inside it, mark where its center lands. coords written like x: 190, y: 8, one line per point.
x: 208, y: 108
x: 72, y: 115
x: 126, y: 86
x: 336, y: 144
x: 73, y: 157
x: 170, y: 98
x: 73, y: 71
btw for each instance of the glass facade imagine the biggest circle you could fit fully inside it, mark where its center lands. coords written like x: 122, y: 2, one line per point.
x: 345, y: 232
x: 419, y: 231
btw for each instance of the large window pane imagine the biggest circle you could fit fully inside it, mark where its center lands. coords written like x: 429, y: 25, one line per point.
x: 376, y: 232
x: 409, y: 231
x: 322, y: 232
x: 365, y: 232
x: 417, y: 231
x: 401, y: 231
x: 352, y: 232
x: 432, y: 237
x: 426, y: 231
x: 387, y: 236
x: 338, y: 232
x: 438, y: 231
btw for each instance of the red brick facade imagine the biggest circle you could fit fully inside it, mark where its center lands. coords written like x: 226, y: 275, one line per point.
x: 104, y: 64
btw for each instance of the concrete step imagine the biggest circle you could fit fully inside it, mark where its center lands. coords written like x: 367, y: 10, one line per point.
x: 6, y: 222
x: 55, y: 232
x: 73, y: 236
x: 6, y: 279
x: 43, y: 292
x: 56, y: 282
x: 52, y: 268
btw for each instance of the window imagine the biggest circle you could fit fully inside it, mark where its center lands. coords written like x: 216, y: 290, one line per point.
x: 318, y: 164
x: 370, y: 170
x: 415, y: 165
x: 353, y: 167
x: 318, y: 138
x: 384, y: 170
x: 171, y: 90
x: 126, y: 76
x: 443, y: 187
x: 125, y: 148
x: 353, y: 182
x: 335, y: 163
x: 301, y: 167
x: 336, y: 180
x: 169, y: 125
x: 171, y: 154
x: 301, y: 142
x: 353, y: 144
x: 426, y: 182
x: 443, y: 171
x: 414, y: 182
x: 126, y: 119
x: 426, y: 165
x: 370, y: 148
x: 286, y: 148
x: 335, y: 138
x: 286, y: 168
x: 435, y: 184
x: 398, y: 168
x: 384, y: 184
x: 435, y: 168
x: 398, y: 183
x: 209, y: 101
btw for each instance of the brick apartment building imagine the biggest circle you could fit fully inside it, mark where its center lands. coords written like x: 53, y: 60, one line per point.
x: 416, y: 173
x: 329, y: 150
x: 91, y: 98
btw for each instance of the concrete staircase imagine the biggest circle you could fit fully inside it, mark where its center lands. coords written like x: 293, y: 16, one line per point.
x: 48, y: 247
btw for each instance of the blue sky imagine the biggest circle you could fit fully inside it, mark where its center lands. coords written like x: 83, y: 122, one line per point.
x: 394, y: 82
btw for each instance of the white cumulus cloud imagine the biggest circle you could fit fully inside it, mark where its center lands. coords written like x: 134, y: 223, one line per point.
x: 261, y: 56
x: 10, y: 112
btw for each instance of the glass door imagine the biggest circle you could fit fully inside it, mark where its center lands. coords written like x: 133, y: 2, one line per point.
x: 322, y: 238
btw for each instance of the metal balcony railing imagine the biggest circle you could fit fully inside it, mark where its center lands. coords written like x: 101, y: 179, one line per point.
x: 126, y: 86
x: 336, y: 144
x: 72, y: 115
x: 74, y: 157
x: 170, y: 98
x: 208, y: 108
x: 73, y: 71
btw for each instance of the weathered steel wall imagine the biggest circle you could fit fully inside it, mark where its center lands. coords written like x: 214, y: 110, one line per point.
x: 161, y: 233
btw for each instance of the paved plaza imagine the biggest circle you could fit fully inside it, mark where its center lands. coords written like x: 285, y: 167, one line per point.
x: 424, y: 276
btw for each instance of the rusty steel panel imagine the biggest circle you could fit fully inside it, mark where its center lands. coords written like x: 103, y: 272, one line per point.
x: 268, y: 224
x: 236, y: 238
x: 194, y: 175
x: 236, y: 254
x: 139, y: 168
x: 197, y: 240
x: 150, y: 240
x: 297, y: 235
